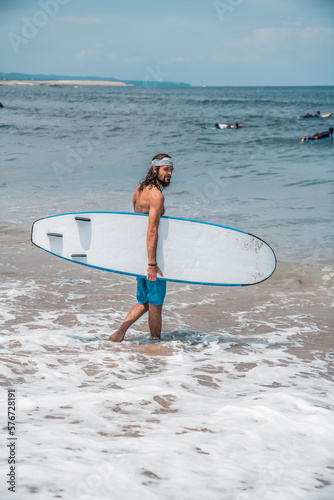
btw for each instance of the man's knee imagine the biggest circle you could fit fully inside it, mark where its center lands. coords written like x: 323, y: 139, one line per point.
x: 144, y: 306
x: 155, y: 308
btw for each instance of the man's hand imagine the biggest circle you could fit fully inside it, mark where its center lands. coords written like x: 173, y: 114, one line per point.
x: 152, y: 272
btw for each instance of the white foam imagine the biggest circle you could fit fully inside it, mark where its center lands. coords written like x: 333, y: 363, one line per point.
x: 227, y: 414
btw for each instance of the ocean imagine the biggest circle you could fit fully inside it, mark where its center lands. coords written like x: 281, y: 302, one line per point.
x: 236, y: 400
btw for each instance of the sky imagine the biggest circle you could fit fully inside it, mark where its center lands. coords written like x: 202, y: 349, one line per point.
x: 201, y: 42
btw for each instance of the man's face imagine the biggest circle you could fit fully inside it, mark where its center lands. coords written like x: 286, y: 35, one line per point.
x: 164, y: 175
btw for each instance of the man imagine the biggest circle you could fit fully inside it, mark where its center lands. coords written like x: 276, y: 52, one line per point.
x: 227, y: 125
x: 148, y: 199
x: 320, y: 135
x: 316, y: 115
x: 308, y: 115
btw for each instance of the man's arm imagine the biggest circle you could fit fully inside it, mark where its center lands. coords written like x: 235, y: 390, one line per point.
x: 156, y: 209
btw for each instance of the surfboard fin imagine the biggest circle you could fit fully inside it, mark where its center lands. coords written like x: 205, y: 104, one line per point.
x: 56, y: 235
x: 83, y: 219
x: 78, y: 255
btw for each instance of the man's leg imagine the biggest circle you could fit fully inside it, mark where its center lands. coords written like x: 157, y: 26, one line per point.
x: 156, y: 297
x: 155, y: 320
x: 135, y: 313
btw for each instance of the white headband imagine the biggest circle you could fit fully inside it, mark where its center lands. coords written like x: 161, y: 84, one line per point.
x: 164, y: 162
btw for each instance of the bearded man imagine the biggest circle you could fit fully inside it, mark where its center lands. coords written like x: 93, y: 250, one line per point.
x: 151, y: 292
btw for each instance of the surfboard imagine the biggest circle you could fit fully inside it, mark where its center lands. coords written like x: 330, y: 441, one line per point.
x: 320, y: 116
x: 316, y: 140
x: 215, y: 128
x: 188, y: 251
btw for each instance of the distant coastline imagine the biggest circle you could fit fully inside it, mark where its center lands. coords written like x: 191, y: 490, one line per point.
x: 53, y: 80
x: 54, y: 83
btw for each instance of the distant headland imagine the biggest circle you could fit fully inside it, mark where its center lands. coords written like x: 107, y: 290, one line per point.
x: 53, y: 80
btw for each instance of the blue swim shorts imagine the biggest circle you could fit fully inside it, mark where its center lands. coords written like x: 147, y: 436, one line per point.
x: 153, y: 292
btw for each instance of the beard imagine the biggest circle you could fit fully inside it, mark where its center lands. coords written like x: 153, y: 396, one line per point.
x: 164, y: 182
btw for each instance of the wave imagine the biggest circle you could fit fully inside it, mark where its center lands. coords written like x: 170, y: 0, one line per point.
x: 8, y: 126
x: 310, y: 272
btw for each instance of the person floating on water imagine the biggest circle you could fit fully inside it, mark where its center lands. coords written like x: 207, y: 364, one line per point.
x: 316, y: 115
x: 320, y: 135
x: 148, y: 199
x: 227, y: 125
x: 1, y: 105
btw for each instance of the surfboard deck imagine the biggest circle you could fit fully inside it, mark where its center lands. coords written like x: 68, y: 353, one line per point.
x: 188, y: 251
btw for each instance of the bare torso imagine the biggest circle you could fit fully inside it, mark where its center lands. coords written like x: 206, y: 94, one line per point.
x: 141, y: 201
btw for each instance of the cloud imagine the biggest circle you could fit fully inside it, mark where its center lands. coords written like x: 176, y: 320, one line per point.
x: 316, y: 35
x: 273, y: 45
x: 180, y: 60
x: 284, y: 35
x: 102, y: 53
x: 113, y: 57
x: 270, y: 36
x: 87, y: 20
x: 87, y: 54
x: 134, y: 60
x: 298, y: 22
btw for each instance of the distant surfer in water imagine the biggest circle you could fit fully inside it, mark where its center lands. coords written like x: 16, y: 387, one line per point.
x: 227, y: 125
x: 1, y: 105
x: 320, y: 135
x: 148, y: 199
x: 317, y: 114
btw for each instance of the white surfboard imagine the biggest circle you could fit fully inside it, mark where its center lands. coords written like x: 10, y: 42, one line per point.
x: 188, y: 251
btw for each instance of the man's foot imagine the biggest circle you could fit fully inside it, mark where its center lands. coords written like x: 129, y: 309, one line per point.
x: 118, y: 336
x: 135, y: 313
x: 155, y: 338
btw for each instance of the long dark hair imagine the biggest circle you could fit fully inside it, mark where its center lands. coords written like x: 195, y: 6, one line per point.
x: 151, y: 176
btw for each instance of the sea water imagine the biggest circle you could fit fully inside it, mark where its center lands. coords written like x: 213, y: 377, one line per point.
x: 236, y: 400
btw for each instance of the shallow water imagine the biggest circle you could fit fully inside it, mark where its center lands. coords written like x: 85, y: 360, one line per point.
x: 236, y: 401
